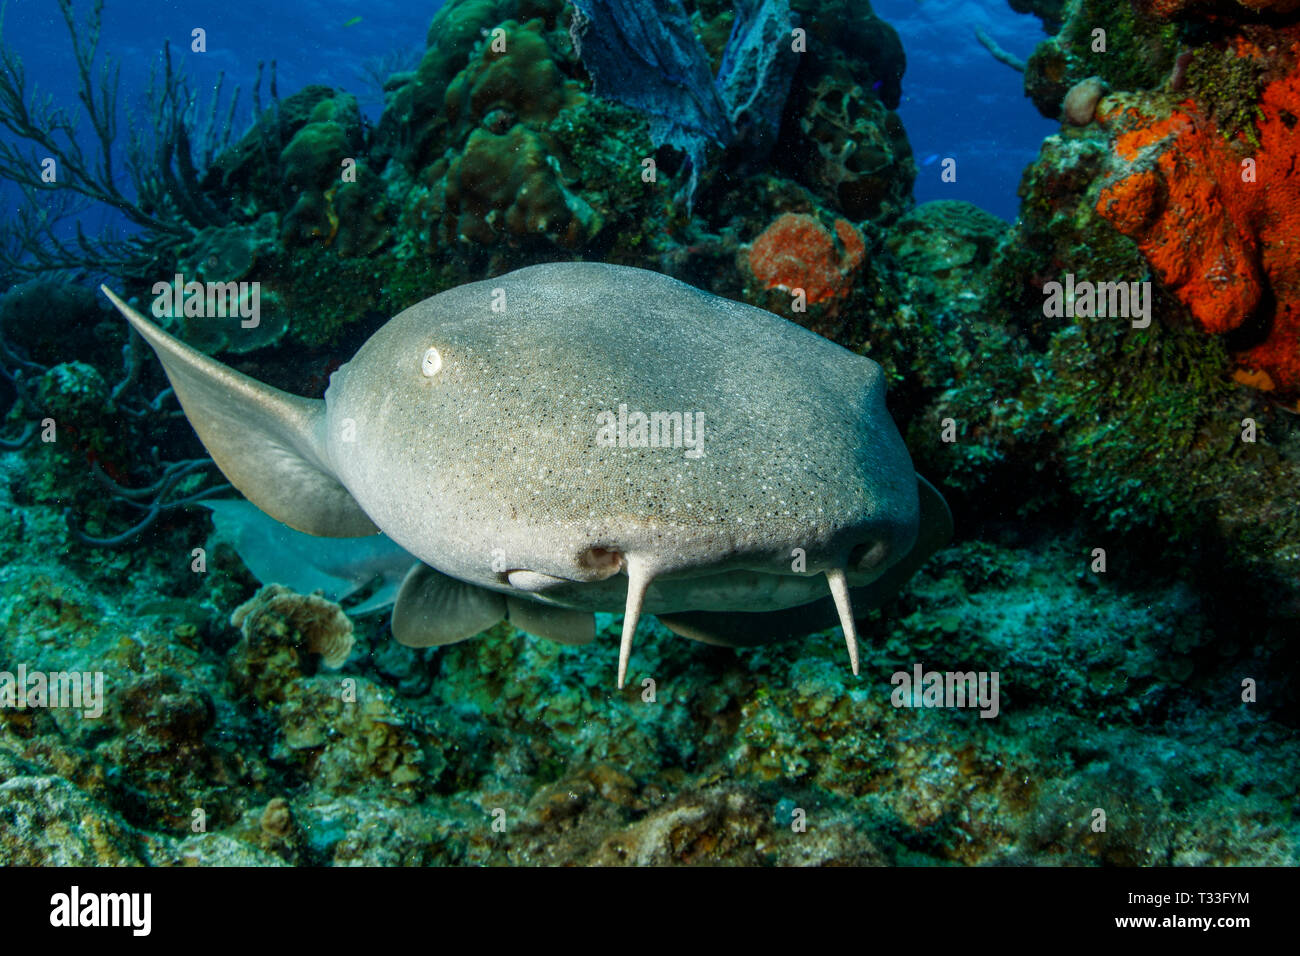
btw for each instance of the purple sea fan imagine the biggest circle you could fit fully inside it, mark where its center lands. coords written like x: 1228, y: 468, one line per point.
x: 644, y: 54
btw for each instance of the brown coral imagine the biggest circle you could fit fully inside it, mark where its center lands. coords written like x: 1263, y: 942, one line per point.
x: 346, y: 744
x: 312, y: 623
x: 506, y: 185
x: 277, y: 819
x: 862, y: 157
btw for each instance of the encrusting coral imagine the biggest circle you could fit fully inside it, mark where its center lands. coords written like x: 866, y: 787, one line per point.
x: 944, y: 247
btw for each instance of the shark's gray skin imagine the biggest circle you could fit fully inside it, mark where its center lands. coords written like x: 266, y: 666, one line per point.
x: 469, y: 430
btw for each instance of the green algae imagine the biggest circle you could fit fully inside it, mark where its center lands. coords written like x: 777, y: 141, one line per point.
x: 1227, y: 86
x: 1139, y: 52
x: 1139, y: 49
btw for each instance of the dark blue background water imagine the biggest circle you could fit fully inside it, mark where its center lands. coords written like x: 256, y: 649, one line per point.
x: 957, y: 100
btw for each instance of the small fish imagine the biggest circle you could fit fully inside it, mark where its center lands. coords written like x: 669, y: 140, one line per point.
x: 930, y: 160
x: 353, y: 22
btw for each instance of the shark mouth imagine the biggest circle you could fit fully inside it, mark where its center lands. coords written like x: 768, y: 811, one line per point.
x: 641, y: 573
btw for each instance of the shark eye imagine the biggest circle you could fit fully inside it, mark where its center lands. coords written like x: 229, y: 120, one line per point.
x: 431, y: 362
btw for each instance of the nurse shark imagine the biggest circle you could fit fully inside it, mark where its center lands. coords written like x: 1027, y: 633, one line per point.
x: 579, y: 437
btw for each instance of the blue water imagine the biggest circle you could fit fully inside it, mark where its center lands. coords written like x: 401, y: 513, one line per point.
x: 957, y: 100
x: 309, y: 40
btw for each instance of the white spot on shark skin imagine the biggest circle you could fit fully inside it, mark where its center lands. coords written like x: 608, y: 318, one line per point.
x: 510, y: 509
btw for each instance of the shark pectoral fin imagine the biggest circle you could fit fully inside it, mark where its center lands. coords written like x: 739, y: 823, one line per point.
x: 276, y: 554
x: 695, y: 626
x: 560, y: 624
x: 383, y: 598
x: 936, y: 527
x: 754, y: 628
x: 270, y: 444
x: 434, y: 609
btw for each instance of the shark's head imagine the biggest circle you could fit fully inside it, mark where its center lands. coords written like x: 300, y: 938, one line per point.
x: 587, y: 436
x: 607, y: 417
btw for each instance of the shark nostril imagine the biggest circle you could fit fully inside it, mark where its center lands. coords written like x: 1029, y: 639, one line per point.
x: 604, y: 562
x: 868, y: 555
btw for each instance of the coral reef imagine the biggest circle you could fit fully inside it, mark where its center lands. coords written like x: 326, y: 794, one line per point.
x: 646, y: 56
x: 276, y: 617
x: 858, y: 150
x: 515, y: 751
x: 310, y: 165
x: 505, y: 179
x: 496, y: 145
x: 944, y: 249
x: 1081, y: 102
x: 502, y: 184
x: 839, y: 135
x: 1142, y: 425
x: 1051, y: 12
x: 1133, y: 51
x: 42, y: 318
x: 1214, y: 210
x: 754, y: 77
x: 1172, y: 8
x: 816, y: 269
x: 1125, y: 559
